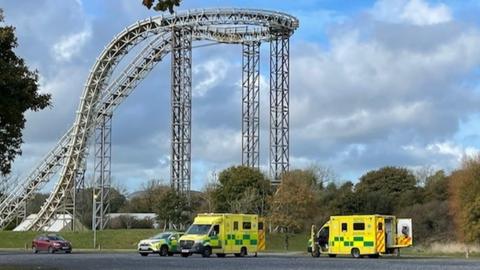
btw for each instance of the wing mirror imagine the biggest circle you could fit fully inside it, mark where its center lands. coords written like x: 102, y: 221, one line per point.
x: 173, y: 238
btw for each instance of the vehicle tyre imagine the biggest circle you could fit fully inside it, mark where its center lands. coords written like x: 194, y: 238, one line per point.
x: 185, y: 255
x: 51, y: 250
x: 170, y: 254
x: 332, y: 255
x: 243, y: 252
x: 356, y: 253
x: 374, y: 256
x: 221, y: 255
x: 316, y: 253
x: 207, y: 252
x: 144, y: 254
x: 163, y: 251
x: 34, y: 250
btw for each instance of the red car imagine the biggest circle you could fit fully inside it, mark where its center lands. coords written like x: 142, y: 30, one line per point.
x: 51, y: 243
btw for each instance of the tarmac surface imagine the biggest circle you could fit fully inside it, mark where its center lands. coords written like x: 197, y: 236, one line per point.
x: 133, y: 261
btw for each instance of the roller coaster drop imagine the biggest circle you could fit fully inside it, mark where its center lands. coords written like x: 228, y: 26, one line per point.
x: 164, y: 34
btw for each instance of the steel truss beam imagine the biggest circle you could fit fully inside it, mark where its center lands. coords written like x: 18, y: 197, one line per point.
x: 102, y: 173
x: 181, y: 102
x: 251, y: 104
x: 279, y: 105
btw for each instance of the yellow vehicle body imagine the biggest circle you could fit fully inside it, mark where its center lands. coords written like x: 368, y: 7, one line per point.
x: 360, y: 235
x: 223, y: 234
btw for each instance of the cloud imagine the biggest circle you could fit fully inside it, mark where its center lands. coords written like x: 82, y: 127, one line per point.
x: 386, y: 84
x: 417, y: 12
x: 69, y: 46
x: 364, y: 100
x: 211, y: 74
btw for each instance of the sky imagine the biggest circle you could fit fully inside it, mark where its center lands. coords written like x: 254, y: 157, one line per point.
x: 372, y: 84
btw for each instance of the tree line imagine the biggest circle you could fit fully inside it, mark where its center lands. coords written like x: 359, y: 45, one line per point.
x: 444, y: 207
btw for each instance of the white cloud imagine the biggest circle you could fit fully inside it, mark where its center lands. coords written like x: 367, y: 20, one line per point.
x: 71, y: 45
x: 416, y: 12
x: 210, y: 74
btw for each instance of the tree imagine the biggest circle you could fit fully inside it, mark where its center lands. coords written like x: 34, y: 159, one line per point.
x: 293, y: 204
x: 237, y: 183
x: 436, y: 187
x: 162, y: 5
x: 387, y: 189
x: 172, y: 208
x: 19, y: 92
x: 465, y: 199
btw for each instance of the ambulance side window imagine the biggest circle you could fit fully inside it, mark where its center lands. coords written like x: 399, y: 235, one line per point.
x: 216, y: 230
x: 359, y: 226
x: 344, y: 227
x: 247, y: 225
x: 235, y: 225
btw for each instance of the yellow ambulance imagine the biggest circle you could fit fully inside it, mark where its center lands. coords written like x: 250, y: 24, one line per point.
x: 361, y: 235
x: 222, y: 234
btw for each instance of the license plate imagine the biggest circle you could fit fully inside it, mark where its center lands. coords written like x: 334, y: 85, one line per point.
x: 64, y: 247
x: 144, y: 248
x: 185, y: 251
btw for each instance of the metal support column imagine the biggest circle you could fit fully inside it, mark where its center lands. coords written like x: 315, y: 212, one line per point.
x: 251, y: 104
x: 181, y: 103
x: 102, y: 173
x: 279, y: 105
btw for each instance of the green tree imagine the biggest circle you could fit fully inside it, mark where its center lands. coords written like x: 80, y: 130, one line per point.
x: 436, y: 187
x: 387, y: 189
x: 431, y: 221
x: 241, y: 189
x: 172, y: 208
x: 19, y: 92
x: 162, y: 5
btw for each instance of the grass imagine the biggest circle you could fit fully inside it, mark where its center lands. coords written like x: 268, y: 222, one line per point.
x: 128, y: 239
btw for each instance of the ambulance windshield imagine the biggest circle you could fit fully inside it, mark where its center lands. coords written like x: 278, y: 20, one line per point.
x: 199, y: 229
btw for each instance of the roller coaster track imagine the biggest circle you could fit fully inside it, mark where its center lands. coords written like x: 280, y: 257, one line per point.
x: 101, y: 96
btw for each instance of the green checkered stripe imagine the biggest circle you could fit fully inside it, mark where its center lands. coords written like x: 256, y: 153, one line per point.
x: 240, y: 240
x: 358, y: 241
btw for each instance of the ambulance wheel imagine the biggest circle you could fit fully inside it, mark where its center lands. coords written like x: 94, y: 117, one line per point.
x: 221, y: 255
x: 163, y: 251
x: 243, y: 252
x: 332, y: 255
x: 207, y: 252
x: 356, y: 253
x: 316, y: 253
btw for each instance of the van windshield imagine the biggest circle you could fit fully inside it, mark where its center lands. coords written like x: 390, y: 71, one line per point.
x: 199, y: 229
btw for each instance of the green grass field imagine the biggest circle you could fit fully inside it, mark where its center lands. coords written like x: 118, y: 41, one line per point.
x: 128, y: 239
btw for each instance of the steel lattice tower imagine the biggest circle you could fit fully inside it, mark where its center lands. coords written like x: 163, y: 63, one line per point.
x: 102, y: 173
x: 279, y: 105
x: 181, y: 102
x: 251, y: 104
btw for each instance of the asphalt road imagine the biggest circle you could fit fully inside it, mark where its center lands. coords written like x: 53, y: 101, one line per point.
x: 132, y: 261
